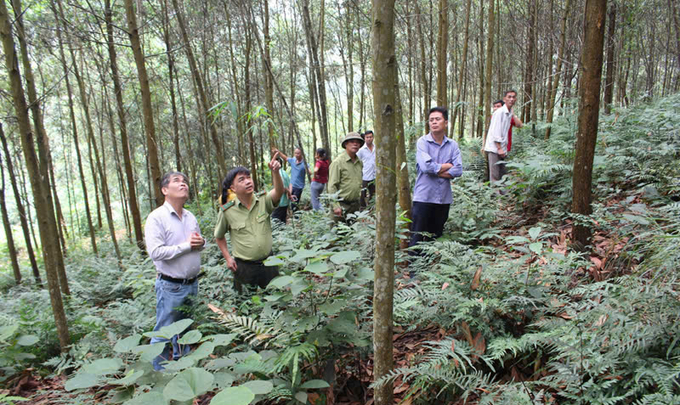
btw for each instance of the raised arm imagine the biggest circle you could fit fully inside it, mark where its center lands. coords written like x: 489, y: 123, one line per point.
x: 278, y: 189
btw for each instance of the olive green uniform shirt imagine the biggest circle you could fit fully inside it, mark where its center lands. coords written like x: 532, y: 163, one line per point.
x: 250, y: 230
x: 345, y: 177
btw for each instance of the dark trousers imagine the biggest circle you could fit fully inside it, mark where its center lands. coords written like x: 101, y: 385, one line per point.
x: 297, y: 192
x: 347, y: 208
x: 367, y: 191
x: 281, y: 213
x: 253, y: 273
x: 427, y: 217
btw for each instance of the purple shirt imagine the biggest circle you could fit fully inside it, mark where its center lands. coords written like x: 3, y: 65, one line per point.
x: 430, y: 156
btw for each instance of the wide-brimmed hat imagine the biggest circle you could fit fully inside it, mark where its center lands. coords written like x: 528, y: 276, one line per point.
x: 352, y: 136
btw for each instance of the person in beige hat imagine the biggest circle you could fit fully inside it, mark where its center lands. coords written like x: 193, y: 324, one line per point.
x: 345, y: 178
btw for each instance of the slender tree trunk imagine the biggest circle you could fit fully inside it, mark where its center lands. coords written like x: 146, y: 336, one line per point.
x: 558, y: 70
x: 486, y: 101
x: 38, y: 173
x: 427, y: 97
x: 403, y: 183
x: 350, y: 73
x: 611, y: 64
x: 58, y: 13
x: 268, y: 76
x: 125, y: 143
x: 147, y: 109
x: 11, y: 248
x: 385, y: 107
x: 589, y: 108
x: 171, y: 85
x: 529, y: 78
x: 463, y: 65
x: 20, y: 210
x: 442, y: 52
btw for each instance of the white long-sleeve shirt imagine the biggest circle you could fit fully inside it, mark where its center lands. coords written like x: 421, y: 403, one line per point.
x: 167, y: 241
x: 498, y: 130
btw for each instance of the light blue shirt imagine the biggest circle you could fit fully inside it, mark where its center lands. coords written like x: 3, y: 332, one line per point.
x: 167, y: 241
x: 367, y: 157
x: 297, y: 172
x: 430, y: 156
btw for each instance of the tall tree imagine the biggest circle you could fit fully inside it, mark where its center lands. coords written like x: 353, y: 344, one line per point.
x: 39, y: 177
x: 611, y: 65
x: 122, y: 125
x: 442, y: 52
x: 147, y: 108
x: 11, y: 248
x: 20, y: 210
x: 552, y: 92
x: 385, y: 108
x: 588, y: 114
x: 461, y: 75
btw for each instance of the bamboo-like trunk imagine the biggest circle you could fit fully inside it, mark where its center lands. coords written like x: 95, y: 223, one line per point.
x: 11, y: 248
x: 589, y: 108
x: 442, y: 52
x: 558, y: 70
x: 39, y: 177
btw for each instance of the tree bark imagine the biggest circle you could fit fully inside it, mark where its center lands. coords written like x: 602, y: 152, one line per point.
x: 59, y: 16
x: 39, y: 177
x: 11, y: 248
x: 486, y: 101
x: 463, y: 65
x: 442, y: 52
x: 20, y: 210
x: 552, y: 94
x: 403, y: 183
x: 611, y: 64
x: 268, y: 75
x: 529, y: 77
x: 147, y: 109
x: 171, y: 85
x: 125, y: 143
x: 385, y: 107
x: 589, y: 108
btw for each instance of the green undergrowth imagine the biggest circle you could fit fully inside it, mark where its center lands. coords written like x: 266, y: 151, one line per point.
x: 522, y: 319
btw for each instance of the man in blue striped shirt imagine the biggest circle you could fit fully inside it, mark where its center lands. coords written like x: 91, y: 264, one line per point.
x: 438, y: 161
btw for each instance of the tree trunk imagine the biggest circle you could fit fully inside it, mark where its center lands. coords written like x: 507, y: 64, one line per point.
x: 442, y: 52
x: 423, y: 71
x: 486, y: 101
x: 125, y: 143
x: 403, y: 183
x: 58, y: 14
x: 529, y: 77
x: 268, y: 75
x: 463, y: 64
x: 171, y: 85
x: 149, y: 126
x: 38, y: 173
x: 11, y: 248
x: 385, y: 107
x: 611, y: 65
x: 20, y: 210
x: 589, y: 108
x: 552, y: 94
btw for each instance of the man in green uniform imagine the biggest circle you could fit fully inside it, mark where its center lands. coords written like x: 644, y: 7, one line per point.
x: 246, y: 217
x: 345, y: 178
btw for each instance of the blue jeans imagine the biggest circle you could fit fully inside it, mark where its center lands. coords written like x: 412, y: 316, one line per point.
x: 316, y: 190
x: 170, y: 296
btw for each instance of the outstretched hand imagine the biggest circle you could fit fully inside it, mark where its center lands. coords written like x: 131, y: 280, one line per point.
x: 275, y: 165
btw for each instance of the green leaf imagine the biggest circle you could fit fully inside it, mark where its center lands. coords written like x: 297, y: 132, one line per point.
x: 7, y: 331
x: 202, y: 351
x: 188, y: 384
x: 281, y: 281
x: 303, y: 254
x: 127, y: 344
x: 148, y: 352
x: 129, y: 378
x: 274, y: 261
x: 190, y: 337
x: 80, y: 381
x: 536, y: 247
x: 102, y: 366
x: 534, y: 232
x: 365, y: 273
x: 169, y: 331
x: 298, y: 287
x: 223, y: 379
x: 314, y: 384
x: 260, y: 387
x: 516, y: 239
x: 637, y: 219
x: 148, y: 398
x: 345, y: 257
x: 340, y: 273
x: 222, y: 340
x: 180, y: 364
x: 301, y: 396
x: 317, y: 268
x: 27, y: 340
x: 234, y: 396
x: 332, y: 308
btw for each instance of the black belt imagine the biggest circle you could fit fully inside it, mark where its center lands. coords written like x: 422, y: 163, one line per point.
x: 251, y: 262
x: 180, y: 280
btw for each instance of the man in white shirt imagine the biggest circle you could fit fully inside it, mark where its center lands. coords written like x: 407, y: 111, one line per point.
x: 367, y: 156
x: 173, y: 241
x: 496, y: 144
